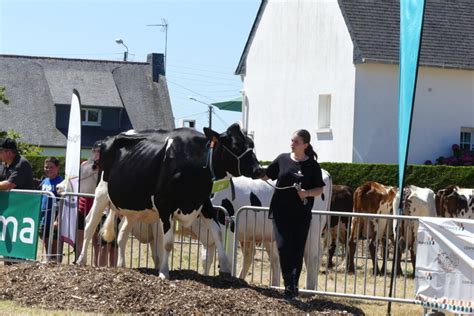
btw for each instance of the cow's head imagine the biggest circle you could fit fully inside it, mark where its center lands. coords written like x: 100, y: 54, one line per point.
x: 234, y: 153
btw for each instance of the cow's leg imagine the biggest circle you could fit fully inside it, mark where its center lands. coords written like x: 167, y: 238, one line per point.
x: 101, y: 201
x: 122, y: 238
x: 355, y: 228
x: 247, y: 257
x: 168, y: 242
x: 156, y: 245
x: 272, y: 252
x: 207, y: 256
x: 213, y: 226
x: 332, y: 247
x: 372, y: 240
x: 313, y: 251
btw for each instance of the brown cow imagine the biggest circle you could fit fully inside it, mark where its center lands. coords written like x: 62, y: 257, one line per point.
x: 373, y: 198
x: 341, y: 201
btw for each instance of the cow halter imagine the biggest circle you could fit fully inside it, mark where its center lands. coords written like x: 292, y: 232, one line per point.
x: 212, y: 144
x: 237, y: 157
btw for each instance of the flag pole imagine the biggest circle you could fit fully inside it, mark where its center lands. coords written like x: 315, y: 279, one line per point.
x: 411, y: 29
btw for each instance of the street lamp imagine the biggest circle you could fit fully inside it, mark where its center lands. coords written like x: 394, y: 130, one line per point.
x: 164, y: 28
x: 210, y: 109
x: 125, y: 53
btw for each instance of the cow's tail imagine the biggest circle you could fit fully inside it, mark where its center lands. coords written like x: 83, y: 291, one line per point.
x: 108, y: 229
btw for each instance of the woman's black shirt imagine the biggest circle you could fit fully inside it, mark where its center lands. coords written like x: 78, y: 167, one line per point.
x: 286, y: 204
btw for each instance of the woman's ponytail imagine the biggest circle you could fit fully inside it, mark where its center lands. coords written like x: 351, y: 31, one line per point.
x: 309, y: 151
x: 306, y: 136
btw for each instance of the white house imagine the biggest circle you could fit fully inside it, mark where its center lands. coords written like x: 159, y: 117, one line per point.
x: 332, y: 67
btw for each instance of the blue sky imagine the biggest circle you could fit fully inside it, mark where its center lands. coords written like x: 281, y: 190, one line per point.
x: 205, y: 41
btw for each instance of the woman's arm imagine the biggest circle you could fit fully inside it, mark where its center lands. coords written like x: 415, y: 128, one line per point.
x: 310, y: 193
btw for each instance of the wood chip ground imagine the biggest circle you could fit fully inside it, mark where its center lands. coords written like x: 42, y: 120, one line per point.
x: 130, y: 291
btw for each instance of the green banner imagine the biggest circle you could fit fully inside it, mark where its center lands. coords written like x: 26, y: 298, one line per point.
x: 19, y: 220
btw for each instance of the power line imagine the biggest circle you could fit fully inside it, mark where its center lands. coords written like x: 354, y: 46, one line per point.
x: 183, y: 87
x: 205, y: 76
x: 190, y: 115
x: 204, y: 82
x: 229, y: 73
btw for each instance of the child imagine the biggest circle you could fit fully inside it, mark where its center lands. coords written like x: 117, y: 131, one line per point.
x: 51, y: 170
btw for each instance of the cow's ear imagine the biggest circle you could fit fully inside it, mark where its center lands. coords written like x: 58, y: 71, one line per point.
x: 234, y: 129
x: 210, y: 134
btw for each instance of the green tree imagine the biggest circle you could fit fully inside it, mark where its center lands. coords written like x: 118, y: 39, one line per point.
x: 3, y: 97
x: 23, y: 148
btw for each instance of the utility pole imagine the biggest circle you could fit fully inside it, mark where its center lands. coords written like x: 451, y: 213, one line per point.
x: 210, y: 109
x: 164, y: 28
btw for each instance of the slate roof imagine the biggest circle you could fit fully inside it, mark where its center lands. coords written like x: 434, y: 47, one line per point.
x: 35, y: 85
x: 374, y: 26
x: 447, y: 40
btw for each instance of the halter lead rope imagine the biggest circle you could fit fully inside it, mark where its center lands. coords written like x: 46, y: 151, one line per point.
x: 295, y: 185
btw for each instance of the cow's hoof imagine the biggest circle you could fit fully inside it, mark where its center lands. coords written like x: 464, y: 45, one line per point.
x: 80, y: 262
x: 163, y: 276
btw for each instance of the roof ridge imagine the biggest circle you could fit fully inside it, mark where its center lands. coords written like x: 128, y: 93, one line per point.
x: 73, y: 59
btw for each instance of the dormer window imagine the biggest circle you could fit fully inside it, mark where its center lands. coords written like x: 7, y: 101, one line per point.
x: 91, y: 117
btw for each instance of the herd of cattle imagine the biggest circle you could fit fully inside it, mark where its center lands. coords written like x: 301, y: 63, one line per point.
x: 155, y: 178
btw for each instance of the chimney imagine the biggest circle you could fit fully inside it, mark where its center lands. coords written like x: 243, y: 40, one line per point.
x: 157, y: 65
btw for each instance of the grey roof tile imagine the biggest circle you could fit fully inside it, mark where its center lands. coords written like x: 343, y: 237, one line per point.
x: 448, y: 32
x: 35, y: 85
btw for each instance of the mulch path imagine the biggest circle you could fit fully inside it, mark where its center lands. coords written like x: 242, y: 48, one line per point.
x: 107, y: 290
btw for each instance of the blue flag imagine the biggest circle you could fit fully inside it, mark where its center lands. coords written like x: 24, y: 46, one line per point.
x: 411, y: 25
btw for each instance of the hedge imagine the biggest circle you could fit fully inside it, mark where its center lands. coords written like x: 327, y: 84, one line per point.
x: 355, y: 174
x: 435, y: 177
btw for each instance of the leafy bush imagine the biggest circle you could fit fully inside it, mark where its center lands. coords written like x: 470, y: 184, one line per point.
x: 434, y: 177
x: 23, y: 148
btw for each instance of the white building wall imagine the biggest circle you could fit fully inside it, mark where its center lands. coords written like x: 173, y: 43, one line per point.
x: 301, y: 49
x: 444, y: 103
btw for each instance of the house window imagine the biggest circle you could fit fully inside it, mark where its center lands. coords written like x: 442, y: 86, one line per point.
x: 91, y: 117
x: 324, y: 112
x: 467, y: 138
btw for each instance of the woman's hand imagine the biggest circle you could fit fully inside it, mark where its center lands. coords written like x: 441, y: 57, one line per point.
x: 303, y: 194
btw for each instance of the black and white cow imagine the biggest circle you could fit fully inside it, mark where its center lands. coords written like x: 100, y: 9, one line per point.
x: 167, y: 175
x: 257, y: 228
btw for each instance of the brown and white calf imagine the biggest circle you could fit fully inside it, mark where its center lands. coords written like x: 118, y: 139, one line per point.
x: 416, y: 202
x: 373, y: 198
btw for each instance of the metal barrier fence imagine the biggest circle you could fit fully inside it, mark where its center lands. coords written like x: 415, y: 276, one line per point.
x: 187, y: 253
x: 48, y: 242
x: 253, y: 235
x: 363, y: 282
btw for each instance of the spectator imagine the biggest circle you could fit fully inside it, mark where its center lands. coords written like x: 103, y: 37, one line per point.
x: 15, y: 170
x: 299, y: 182
x: 104, y: 253
x: 51, y: 170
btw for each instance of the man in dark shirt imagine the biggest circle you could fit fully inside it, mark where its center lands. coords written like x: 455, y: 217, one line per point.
x: 15, y: 170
